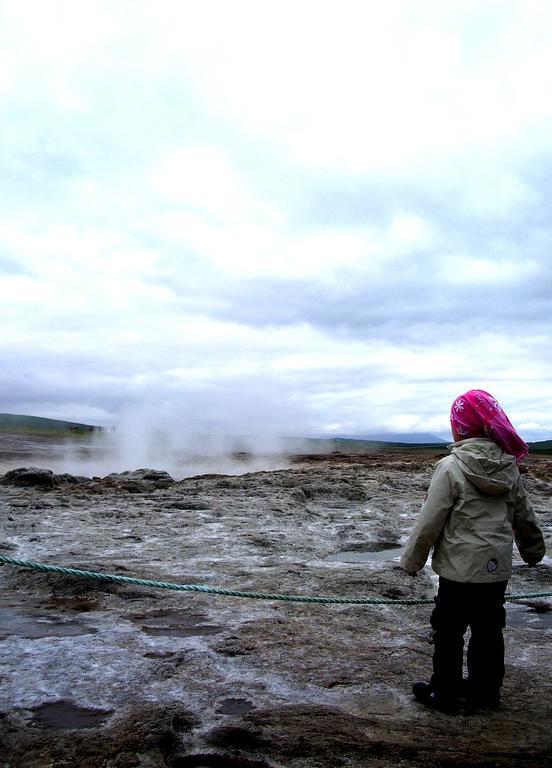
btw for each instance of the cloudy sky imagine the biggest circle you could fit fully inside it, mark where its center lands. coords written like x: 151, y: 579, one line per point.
x: 298, y: 217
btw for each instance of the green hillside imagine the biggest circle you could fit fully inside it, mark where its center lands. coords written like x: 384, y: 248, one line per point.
x: 351, y: 445
x: 542, y: 446
x: 36, y: 425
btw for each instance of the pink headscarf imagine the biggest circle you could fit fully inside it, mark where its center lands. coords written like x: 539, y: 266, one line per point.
x: 477, y: 414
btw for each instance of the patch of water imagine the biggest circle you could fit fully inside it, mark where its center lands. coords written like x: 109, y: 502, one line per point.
x: 215, y: 761
x: 361, y: 556
x: 527, y: 617
x: 32, y: 626
x: 176, y: 624
x: 234, y: 707
x: 67, y: 714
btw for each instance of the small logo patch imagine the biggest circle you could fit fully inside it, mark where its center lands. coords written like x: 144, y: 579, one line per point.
x: 492, y: 565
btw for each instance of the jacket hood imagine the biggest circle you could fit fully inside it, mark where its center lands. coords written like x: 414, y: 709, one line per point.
x: 486, y: 465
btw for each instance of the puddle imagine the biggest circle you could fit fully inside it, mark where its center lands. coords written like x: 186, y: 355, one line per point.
x: 364, y: 556
x: 14, y: 620
x: 525, y: 617
x: 234, y: 707
x: 215, y: 761
x: 66, y: 714
x: 175, y: 624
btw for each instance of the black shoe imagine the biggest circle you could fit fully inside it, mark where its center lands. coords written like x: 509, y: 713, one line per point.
x: 422, y: 692
x: 478, y: 699
x: 466, y: 689
x: 426, y: 695
x: 490, y: 701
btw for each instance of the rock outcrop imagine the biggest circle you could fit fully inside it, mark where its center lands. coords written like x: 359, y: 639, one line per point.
x: 29, y: 477
x: 38, y: 477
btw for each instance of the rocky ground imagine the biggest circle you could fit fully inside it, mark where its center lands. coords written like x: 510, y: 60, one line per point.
x: 99, y: 675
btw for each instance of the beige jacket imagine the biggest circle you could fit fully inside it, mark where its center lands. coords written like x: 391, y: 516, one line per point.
x: 475, y: 506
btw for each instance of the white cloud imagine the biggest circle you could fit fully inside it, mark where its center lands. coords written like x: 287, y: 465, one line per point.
x: 366, y: 86
x: 201, y: 179
x: 470, y: 270
x: 156, y: 158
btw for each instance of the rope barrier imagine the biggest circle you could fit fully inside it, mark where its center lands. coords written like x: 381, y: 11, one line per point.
x: 111, y: 577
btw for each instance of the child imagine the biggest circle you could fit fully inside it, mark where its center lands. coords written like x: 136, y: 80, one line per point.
x: 474, y: 508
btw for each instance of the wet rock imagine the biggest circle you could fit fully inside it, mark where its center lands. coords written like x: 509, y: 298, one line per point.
x: 178, y: 624
x: 355, y: 493
x: 539, y: 606
x: 369, y: 546
x: 299, y: 495
x: 329, y: 737
x: 29, y: 477
x: 152, y: 735
x: 188, y: 505
x: 235, y: 646
x: 139, y: 480
x: 40, y: 477
x: 193, y: 679
x: 214, y: 760
x: 67, y: 479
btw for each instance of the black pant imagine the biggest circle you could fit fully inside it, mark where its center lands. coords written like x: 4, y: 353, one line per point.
x: 481, y: 607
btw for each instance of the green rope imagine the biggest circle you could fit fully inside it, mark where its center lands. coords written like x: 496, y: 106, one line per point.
x: 111, y: 577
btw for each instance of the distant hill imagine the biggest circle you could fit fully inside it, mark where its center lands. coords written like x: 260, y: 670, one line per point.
x: 400, y: 437
x: 352, y: 445
x: 541, y: 446
x: 11, y: 422
x: 359, y: 445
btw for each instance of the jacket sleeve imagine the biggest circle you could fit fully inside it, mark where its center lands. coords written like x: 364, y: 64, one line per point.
x: 527, y: 533
x: 431, y: 520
